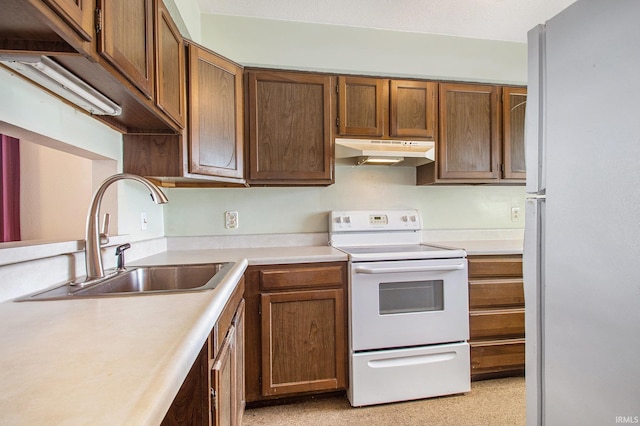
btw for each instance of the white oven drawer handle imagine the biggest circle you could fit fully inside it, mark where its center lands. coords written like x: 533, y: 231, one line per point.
x: 411, y: 360
x: 374, y: 270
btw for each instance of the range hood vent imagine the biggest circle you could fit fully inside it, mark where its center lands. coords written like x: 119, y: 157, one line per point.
x: 57, y: 79
x: 386, y: 151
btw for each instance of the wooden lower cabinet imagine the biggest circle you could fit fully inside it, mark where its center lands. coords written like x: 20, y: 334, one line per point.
x: 213, y: 391
x: 227, y: 375
x: 496, y: 316
x: 296, y: 330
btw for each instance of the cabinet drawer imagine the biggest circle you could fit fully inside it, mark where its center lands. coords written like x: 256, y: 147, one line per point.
x: 302, y: 277
x: 491, y: 324
x: 495, y: 266
x: 496, y: 293
x: 497, y: 356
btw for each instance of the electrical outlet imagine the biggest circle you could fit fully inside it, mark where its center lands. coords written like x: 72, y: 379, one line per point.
x: 231, y: 219
x: 515, y: 214
x: 143, y: 221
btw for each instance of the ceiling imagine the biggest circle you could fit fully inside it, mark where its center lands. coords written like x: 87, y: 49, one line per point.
x: 507, y: 20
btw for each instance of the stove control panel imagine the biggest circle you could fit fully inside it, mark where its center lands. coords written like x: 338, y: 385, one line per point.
x: 369, y: 220
x: 378, y: 219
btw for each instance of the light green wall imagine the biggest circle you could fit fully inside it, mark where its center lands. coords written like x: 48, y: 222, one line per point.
x: 332, y: 48
x: 31, y: 114
x: 292, y: 210
x: 186, y: 15
x: 288, y: 45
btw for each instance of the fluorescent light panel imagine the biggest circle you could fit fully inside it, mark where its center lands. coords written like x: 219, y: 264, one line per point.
x: 382, y: 161
x: 49, y: 74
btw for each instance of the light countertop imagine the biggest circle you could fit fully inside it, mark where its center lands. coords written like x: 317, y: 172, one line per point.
x: 484, y: 247
x: 120, y: 360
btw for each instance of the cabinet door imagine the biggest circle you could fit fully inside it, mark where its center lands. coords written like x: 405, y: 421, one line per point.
x: 363, y: 104
x: 290, y: 128
x: 215, y: 115
x: 302, y: 341
x: 170, y: 66
x: 238, y: 359
x: 469, y: 143
x: 413, y: 108
x: 77, y: 13
x: 514, y: 105
x: 191, y: 404
x: 222, y: 376
x: 126, y: 40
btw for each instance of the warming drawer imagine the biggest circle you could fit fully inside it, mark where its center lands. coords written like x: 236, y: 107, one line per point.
x: 444, y: 369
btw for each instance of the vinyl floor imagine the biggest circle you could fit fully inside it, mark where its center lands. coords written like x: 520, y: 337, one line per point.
x: 497, y: 402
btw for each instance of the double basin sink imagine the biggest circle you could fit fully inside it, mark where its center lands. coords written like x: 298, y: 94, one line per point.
x: 140, y: 281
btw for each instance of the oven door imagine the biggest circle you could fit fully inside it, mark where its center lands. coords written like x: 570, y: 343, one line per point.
x: 408, y: 303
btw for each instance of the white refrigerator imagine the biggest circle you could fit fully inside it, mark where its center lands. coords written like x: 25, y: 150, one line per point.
x: 582, y: 226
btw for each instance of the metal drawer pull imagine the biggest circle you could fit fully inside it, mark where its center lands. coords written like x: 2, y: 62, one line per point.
x: 411, y: 360
x: 366, y: 270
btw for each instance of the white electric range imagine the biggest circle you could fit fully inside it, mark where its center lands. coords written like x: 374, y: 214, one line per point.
x: 408, y: 308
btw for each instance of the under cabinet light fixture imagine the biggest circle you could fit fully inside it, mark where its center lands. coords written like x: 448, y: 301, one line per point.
x: 52, y: 76
x: 380, y: 161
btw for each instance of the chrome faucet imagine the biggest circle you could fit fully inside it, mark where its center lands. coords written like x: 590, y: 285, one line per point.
x: 93, y: 257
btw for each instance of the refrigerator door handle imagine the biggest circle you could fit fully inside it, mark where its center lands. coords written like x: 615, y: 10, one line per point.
x: 533, y: 272
x: 535, y: 113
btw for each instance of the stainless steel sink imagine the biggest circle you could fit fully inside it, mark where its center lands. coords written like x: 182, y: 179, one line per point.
x: 142, y: 280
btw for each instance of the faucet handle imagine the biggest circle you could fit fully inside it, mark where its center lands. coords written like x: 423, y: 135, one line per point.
x: 120, y: 256
x: 104, y: 234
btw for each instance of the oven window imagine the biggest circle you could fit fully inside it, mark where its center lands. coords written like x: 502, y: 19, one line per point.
x: 413, y: 296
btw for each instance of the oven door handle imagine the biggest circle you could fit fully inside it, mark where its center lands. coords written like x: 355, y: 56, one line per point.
x: 400, y: 269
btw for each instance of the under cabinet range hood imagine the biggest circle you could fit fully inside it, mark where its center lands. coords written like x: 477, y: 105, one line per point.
x: 52, y: 76
x: 386, y: 151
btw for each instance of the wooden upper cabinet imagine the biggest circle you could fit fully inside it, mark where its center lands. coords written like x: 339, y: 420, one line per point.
x: 514, y: 104
x: 126, y: 40
x: 469, y: 143
x: 170, y: 66
x: 413, y: 108
x: 76, y: 13
x: 215, y: 115
x: 387, y: 108
x: 290, y: 128
x: 362, y: 106
x: 481, y: 135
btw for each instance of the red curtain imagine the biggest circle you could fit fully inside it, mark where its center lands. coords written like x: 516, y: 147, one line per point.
x: 9, y: 189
